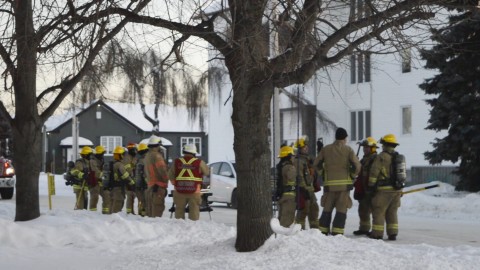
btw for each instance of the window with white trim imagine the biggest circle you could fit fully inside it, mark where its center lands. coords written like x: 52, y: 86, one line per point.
x: 192, y: 140
x: 110, y: 142
x: 406, y: 120
x: 360, y: 68
x: 360, y: 125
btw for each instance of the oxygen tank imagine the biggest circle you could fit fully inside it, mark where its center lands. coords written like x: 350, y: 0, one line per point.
x: 139, y: 176
x: 400, y: 171
x: 107, y: 174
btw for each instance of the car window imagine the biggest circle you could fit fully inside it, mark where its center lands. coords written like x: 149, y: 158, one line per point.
x: 215, y: 167
x: 226, y: 170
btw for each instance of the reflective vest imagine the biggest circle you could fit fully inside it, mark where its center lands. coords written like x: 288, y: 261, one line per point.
x: 188, y: 174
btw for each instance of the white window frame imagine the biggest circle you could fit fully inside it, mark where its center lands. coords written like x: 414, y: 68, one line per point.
x: 360, y: 132
x: 189, y: 140
x: 110, y: 142
x: 406, y: 120
x: 360, y: 68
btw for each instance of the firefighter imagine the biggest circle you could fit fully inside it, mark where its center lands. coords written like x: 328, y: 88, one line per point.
x: 385, y: 198
x: 121, y: 179
x: 287, y: 204
x: 340, y: 165
x: 369, y: 147
x: 94, y: 188
x: 156, y: 173
x: 129, y: 160
x: 82, y: 173
x: 307, y: 205
x: 97, y: 162
x: 141, y: 184
x: 186, y: 175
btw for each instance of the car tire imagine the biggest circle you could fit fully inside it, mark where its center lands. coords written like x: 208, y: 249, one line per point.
x: 234, y: 202
x: 6, y: 193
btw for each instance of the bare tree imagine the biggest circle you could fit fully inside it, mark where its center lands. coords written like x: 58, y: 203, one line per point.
x: 53, y: 42
x: 150, y: 78
x: 320, y: 33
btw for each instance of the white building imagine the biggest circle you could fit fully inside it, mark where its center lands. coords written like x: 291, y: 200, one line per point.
x: 372, y: 96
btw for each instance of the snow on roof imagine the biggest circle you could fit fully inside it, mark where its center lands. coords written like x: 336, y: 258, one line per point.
x: 68, y: 141
x: 56, y: 120
x: 172, y: 119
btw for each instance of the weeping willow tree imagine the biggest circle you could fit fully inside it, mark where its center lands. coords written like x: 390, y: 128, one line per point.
x: 150, y: 79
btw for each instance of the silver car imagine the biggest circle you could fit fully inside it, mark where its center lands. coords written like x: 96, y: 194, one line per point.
x: 223, y: 183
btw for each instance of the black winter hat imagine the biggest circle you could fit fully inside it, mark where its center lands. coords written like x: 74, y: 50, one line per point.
x: 340, y: 134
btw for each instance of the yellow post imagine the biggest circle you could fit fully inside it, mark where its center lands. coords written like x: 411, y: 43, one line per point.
x: 51, y: 189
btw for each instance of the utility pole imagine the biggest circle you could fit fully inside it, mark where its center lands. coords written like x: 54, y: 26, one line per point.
x: 74, y: 135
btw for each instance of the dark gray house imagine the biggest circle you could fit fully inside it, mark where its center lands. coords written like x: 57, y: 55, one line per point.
x: 113, y: 124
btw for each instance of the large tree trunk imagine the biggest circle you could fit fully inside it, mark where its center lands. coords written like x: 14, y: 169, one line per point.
x: 27, y: 125
x: 251, y: 110
x: 27, y: 141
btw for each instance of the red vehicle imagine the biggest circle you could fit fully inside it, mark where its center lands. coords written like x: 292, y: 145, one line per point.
x: 7, y: 178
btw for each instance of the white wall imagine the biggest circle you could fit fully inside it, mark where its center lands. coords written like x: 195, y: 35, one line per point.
x: 386, y: 94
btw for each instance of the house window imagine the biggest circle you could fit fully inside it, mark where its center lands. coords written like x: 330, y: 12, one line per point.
x: 109, y: 143
x: 406, y: 60
x: 359, y: 9
x: 407, y: 120
x: 360, y: 125
x: 192, y: 140
x: 360, y: 66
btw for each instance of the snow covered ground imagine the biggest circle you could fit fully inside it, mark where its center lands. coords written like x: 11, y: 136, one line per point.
x: 438, y: 230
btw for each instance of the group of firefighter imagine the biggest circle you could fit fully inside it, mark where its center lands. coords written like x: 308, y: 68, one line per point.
x: 340, y: 169
x: 139, y: 172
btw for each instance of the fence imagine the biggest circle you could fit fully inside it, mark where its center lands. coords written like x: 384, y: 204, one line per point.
x: 424, y: 174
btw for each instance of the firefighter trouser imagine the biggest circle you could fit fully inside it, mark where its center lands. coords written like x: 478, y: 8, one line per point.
x: 340, y: 201
x: 140, y: 193
x: 94, y: 194
x: 311, y: 211
x: 155, y: 201
x: 80, y: 197
x: 286, y: 211
x: 118, y: 198
x: 385, y: 205
x: 130, y: 201
x: 106, y: 200
x: 182, y: 199
x: 364, y: 212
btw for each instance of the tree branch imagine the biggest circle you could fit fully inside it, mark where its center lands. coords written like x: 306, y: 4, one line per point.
x: 320, y: 59
x: 203, y: 30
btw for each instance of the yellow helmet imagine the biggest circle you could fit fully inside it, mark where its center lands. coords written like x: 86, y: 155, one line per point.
x: 369, y: 142
x: 99, y: 150
x: 285, y: 151
x: 119, y: 150
x: 86, y: 150
x: 389, y: 139
x: 301, y: 142
x: 142, y: 146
